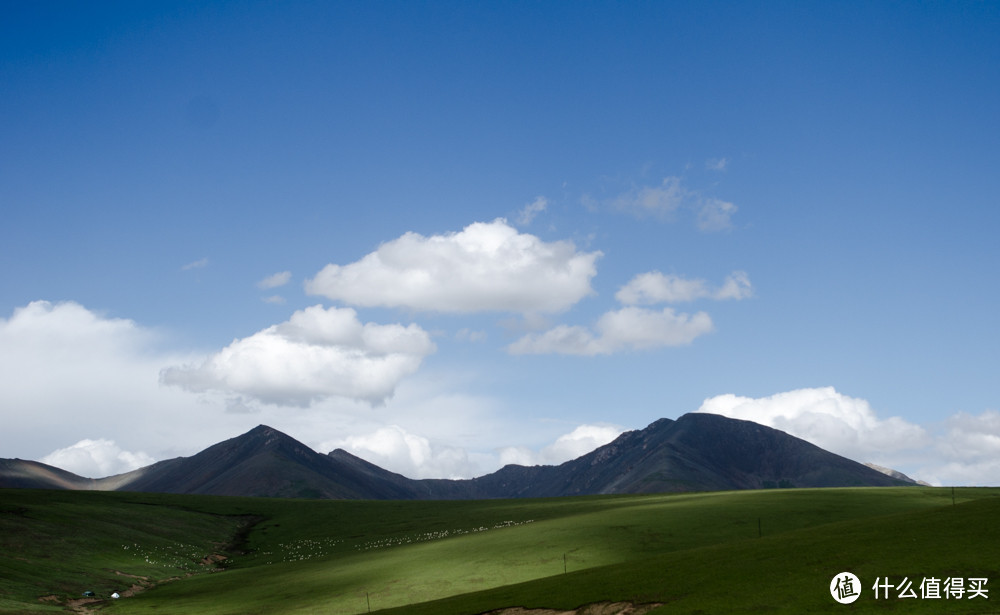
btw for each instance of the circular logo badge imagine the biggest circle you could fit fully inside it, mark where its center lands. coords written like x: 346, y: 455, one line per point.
x: 845, y: 588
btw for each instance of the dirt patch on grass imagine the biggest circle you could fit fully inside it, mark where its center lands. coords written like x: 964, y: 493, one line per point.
x: 215, y: 559
x: 81, y: 605
x: 598, y: 608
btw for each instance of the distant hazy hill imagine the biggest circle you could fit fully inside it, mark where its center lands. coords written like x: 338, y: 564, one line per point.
x: 697, y: 452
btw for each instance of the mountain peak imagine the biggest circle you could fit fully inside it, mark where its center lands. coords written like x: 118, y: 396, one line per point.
x: 264, y: 436
x: 262, y: 430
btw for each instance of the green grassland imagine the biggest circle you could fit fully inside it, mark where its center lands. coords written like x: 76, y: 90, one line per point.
x: 746, y: 551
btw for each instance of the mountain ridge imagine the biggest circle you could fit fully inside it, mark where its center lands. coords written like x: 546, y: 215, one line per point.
x: 695, y: 452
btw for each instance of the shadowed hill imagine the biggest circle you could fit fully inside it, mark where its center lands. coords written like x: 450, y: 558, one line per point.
x: 697, y: 452
x: 264, y: 462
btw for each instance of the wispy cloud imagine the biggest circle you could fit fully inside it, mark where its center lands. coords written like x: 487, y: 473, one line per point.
x: 630, y: 328
x: 532, y: 209
x: 717, y: 164
x: 275, y: 280
x: 715, y: 215
x: 658, y: 201
x: 670, y: 200
x: 655, y: 287
x: 198, y: 264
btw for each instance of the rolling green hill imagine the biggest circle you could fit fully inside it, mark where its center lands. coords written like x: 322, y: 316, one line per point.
x: 745, y: 551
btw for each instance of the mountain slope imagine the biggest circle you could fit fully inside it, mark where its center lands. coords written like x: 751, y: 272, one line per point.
x: 264, y: 462
x: 23, y: 474
x: 697, y: 452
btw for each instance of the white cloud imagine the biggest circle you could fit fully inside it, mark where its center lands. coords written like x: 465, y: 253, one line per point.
x: 655, y: 287
x: 488, y: 266
x: 580, y: 441
x: 198, y: 264
x: 274, y: 299
x: 96, y: 459
x: 967, y: 452
x: 71, y: 374
x: 838, y: 423
x: 317, y: 353
x: 629, y: 328
x: 275, y: 280
x: 394, y: 449
x: 532, y: 209
x: 715, y: 215
x: 659, y: 201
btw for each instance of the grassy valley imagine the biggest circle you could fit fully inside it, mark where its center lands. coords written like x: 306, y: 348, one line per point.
x: 743, y: 551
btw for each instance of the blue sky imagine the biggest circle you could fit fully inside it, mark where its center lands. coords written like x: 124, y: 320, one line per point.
x: 447, y: 236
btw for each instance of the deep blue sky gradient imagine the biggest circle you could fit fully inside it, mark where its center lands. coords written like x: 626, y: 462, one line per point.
x: 860, y: 142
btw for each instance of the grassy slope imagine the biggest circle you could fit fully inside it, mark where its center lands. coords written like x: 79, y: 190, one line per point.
x: 61, y: 543
x: 786, y: 572
x: 696, y: 551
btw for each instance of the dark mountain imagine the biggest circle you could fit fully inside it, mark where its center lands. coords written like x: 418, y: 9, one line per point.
x: 697, y: 452
x: 264, y: 462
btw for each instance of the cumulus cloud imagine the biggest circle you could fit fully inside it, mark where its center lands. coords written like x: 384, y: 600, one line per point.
x: 580, y: 441
x: 532, y: 209
x: 275, y: 280
x: 488, y: 266
x: 629, y: 328
x: 51, y: 352
x: 655, y: 287
x: 395, y: 449
x: 317, y: 353
x: 967, y: 451
x: 71, y: 326
x: 71, y: 373
x: 96, y: 459
x: 838, y: 423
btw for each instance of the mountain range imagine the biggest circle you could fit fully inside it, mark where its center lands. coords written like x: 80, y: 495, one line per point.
x: 696, y: 452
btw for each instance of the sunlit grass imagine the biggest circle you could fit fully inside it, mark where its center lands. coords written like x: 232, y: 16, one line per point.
x: 342, y: 556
